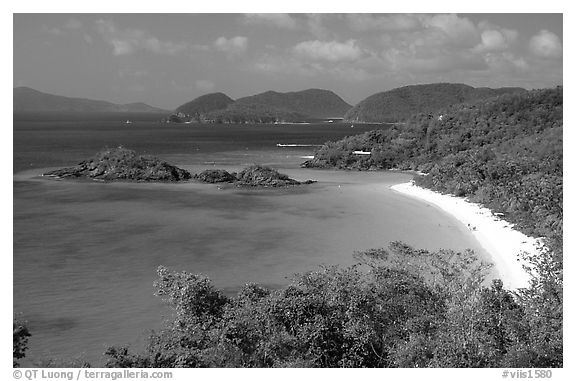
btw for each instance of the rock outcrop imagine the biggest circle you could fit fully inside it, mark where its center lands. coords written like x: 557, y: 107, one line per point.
x: 214, y: 176
x: 253, y: 176
x: 257, y: 175
x: 123, y: 164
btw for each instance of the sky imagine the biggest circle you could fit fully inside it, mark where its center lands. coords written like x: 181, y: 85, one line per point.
x: 168, y: 59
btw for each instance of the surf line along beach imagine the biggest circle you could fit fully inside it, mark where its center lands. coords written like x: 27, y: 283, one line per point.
x: 496, y: 236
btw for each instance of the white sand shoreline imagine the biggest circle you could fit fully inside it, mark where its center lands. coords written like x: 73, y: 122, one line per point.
x: 495, y: 235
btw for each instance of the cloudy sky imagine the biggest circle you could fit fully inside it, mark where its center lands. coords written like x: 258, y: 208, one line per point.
x: 168, y: 59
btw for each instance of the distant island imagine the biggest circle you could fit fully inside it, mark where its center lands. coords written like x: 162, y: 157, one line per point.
x: 304, y: 106
x: 267, y: 107
x: 198, y: 108
x: 398, y: 104
x: 29, y: 100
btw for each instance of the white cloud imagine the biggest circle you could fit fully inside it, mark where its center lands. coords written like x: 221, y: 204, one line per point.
x: 313, y: 23
x: 458, y: 30
x: 448, y: 27
x: 128, y: 41
x: 493, y: 40
x: 546, y: 44
x: 496, y: 39
x: 510, y: 34
x: 122, y: 47
x: 435, y: 43
x: 329, y: 50
x: 232, y: 46
x: 446, y: 43
x: 280, y: 20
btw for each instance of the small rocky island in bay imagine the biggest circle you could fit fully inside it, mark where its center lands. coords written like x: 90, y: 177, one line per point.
x: 123, y: 164
x: 253, y: 176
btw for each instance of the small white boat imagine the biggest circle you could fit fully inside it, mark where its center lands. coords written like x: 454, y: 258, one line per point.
x: 297, y: 145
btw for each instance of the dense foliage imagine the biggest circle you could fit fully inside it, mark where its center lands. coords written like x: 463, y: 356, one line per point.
x: 20, y: 341
x: 254, y: 113
x: 398, y: 104
x: 315, y: 103
x: 396, y: 308
x: 199, y: 107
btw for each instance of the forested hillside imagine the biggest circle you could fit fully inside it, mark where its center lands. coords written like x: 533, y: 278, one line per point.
x: 505, y: 152
x: 197, y: 108
x: 254, y: 113
x: 398, y: 104
x: 315, y: 103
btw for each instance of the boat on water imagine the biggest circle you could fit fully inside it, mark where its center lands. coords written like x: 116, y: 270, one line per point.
x: 128, y: 121
x: 297, y: 145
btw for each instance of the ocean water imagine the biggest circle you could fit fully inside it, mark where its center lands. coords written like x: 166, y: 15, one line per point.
x: 85, y: 253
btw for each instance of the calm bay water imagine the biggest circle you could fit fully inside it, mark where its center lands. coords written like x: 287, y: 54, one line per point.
x: 85, y: 253
x: 46, y: 140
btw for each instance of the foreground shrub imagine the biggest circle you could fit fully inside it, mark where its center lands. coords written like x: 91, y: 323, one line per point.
x: 20, y: 336
x: 399, y: 307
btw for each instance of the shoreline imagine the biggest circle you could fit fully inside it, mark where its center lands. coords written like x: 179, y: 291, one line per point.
x: 496, y: 236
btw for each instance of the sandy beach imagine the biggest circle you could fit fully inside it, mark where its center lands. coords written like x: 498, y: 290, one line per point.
x: 496, y: 236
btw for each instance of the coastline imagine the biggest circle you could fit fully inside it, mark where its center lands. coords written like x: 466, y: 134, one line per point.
x: 495, y: 235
